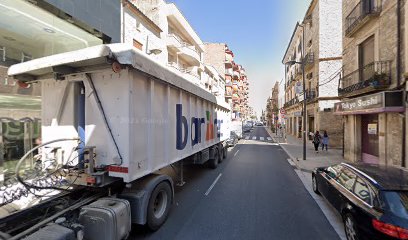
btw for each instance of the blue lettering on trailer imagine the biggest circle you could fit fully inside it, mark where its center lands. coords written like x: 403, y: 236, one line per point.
x: 195, y: 127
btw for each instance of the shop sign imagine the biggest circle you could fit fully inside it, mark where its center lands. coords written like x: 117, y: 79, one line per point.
x: 369, y: 103
x: 372, y: 128
x: 298, y: 88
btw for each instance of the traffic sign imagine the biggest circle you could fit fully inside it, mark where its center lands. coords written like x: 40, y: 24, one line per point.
x: 282, y: 111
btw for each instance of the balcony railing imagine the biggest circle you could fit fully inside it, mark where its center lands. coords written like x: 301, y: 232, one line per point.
x: 309, y: 59
x: 375, y: 75
x: 310, y: 96
x: 361, y: 12
x: 291, y: 102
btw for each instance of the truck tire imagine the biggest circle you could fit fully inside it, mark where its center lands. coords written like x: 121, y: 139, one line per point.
x: 220, y: 154
x: 213, y: 162
x: 159, y: 206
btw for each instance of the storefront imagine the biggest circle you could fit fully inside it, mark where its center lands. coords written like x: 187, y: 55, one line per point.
x: 28, y: 32
x: 373, y: 126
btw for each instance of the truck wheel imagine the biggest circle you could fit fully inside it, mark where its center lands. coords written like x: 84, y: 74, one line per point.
x: 159, y: 206
x: 221, y: 154
x: 214, y: 161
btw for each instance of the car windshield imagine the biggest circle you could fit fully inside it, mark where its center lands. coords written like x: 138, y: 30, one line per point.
x: 397, y: 202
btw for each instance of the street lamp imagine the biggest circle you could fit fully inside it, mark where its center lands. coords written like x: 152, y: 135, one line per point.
x: 302, y: 63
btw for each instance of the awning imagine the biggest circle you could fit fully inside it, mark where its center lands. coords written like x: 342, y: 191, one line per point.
x: 387, y: 101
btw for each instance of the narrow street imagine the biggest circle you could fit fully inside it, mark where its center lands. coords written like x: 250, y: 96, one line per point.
x: 253, y: 194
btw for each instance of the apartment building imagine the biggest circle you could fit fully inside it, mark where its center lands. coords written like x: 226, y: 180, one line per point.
x: 236, y: 81
x: 371, y: 86
x: 317, y: 44
x: 272, y: 110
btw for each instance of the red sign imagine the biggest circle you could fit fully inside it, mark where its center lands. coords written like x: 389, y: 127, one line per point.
x: 282, y: 111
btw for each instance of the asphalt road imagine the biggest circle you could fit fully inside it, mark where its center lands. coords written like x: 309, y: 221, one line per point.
x: 257, y: 196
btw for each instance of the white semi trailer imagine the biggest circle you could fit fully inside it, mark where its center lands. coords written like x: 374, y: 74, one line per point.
x: 111, y: 118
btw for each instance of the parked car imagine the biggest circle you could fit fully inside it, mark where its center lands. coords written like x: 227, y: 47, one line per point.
x: 233, y: 139
x: 372, y: 199
x: 259, y: 124
x: 247, y: 128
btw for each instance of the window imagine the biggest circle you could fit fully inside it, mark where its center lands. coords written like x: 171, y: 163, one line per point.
x: 346, y: 178
x: 366, y: 58
x: 137, y: 44
x: 397, y: 202
x: 334, y: 171
x: 362, y: 191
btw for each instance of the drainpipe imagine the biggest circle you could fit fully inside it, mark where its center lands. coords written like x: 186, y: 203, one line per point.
x: 399, y: 81
x: 399, y: 84
x: 398, y: 44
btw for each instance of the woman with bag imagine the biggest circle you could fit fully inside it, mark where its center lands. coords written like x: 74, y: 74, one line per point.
x: 325, y: 140
x: 316, y: 141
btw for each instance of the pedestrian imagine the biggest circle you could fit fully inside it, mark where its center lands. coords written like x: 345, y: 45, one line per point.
x: 316, y: 141
x: 325, y: 140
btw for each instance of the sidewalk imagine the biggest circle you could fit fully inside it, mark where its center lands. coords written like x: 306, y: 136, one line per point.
x: 294, y: 148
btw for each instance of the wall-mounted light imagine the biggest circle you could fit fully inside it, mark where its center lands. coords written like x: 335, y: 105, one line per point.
x: 154, y: 51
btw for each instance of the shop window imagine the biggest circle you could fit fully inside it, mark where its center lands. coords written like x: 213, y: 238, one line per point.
x: 16, y: 138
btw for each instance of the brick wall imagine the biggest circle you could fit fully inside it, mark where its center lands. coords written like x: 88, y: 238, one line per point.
x: 215, y: 56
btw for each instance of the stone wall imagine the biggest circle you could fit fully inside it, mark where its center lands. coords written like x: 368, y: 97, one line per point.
x: 333, y: 124
x: 394, y: 137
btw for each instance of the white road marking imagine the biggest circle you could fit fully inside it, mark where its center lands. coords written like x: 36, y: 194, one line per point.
x: 213, y: 184
x: 253, y: 138
x: 235, y: 154
x: 269, y: 138
x: 247, y: 137
x: 261, y: 138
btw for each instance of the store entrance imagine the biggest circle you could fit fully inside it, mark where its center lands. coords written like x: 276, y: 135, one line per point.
x: 369, y: 138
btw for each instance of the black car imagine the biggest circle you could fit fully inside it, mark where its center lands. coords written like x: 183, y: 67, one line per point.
x: 372, y: 199
x: 233, y: 139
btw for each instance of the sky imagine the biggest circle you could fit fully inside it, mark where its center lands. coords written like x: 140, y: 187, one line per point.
x: 257, y: 31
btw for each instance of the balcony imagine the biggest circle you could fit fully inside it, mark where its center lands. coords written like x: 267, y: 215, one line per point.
x: 374, y: 76
x: 184, y: 50
x: 291, y: 102
x: 309, y: 59
x: 236, y: 75
x: 310, y: 96
x: 228, y: 71
x: 228, y: 93
x: 362, y: 13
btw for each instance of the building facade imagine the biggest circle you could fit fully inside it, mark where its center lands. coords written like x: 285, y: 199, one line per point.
x: 317, y: 44
x: 372, y: 83
x: 236, y: 80
x: 34, y: 29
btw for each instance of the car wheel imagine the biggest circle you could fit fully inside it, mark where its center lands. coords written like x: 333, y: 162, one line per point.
x: 214, y: 161
x: 159, y: 206
x: 350, y: 227
x: 314, y: 185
